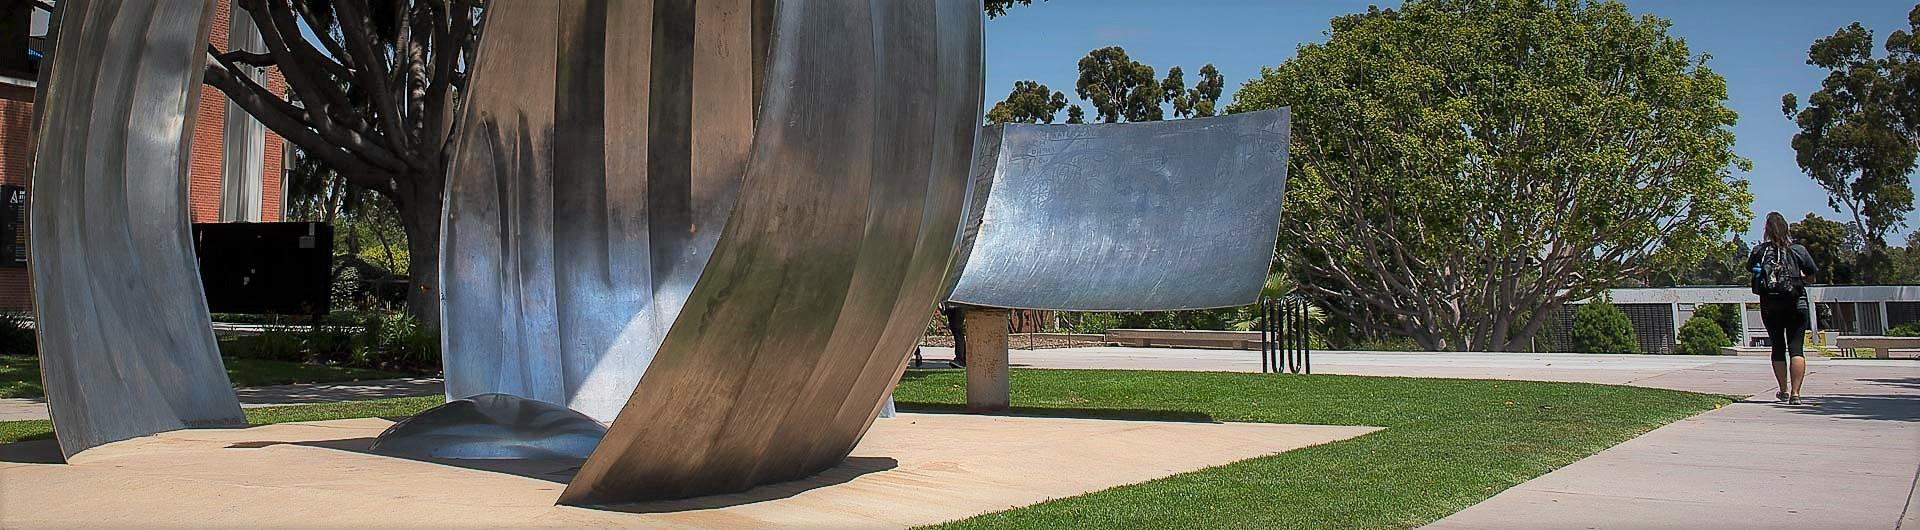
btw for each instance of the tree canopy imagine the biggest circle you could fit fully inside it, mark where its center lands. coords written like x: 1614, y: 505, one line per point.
x: 1029, y: 102
x: 1860, y: 132
x: 1834, y: 246
x: 1461, y: 168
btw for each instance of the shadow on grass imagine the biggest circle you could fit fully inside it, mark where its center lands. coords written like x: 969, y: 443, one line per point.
x: 1069, y: 412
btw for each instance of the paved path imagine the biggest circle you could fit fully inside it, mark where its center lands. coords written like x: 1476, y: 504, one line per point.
x: 14, y: 409
x: 1847, y: 458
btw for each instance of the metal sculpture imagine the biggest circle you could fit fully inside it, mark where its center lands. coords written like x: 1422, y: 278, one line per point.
x: 1125, y: 217
x: 125, y: 345
x: 741, y: 297
x: 585, y: 194
x: 493, y: 427
x: 721, y: 224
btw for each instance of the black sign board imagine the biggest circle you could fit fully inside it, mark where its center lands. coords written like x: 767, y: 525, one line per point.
x: 265, y: 268
x: 13, y: 226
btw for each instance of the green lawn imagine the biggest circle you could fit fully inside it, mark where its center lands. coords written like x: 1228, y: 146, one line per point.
x: 1448, y: 443
x: 20, y: 374
x: 14, y: 431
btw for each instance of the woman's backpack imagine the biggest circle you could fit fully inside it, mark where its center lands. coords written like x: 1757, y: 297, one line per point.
x: 1778, y: 272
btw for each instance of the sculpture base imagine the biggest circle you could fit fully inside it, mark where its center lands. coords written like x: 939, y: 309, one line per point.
x: 493, y: 427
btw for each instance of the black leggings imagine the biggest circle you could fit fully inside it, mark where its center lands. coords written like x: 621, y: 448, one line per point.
x: 1786, y: 326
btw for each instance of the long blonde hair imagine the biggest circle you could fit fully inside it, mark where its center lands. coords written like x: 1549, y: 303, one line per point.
x: 1777, y: 232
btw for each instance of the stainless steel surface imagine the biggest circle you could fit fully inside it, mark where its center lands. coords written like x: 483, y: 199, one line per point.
x: 829, y: 266
x: 125, y: 344
x: 1126, y: 217
x: 604, y: 146
x: 492, y: 427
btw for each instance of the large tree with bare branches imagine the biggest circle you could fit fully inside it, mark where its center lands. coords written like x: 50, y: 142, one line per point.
x: 372, y: 95
x: 1462, y: 168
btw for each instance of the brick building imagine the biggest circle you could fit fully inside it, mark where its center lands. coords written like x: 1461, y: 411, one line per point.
x: 236, y: 165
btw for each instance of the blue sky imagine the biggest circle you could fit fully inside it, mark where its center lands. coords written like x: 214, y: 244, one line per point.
x: 1758, y: 45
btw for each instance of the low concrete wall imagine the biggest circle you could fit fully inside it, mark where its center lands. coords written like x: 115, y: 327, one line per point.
x: 1884, y: 347
x: 1235, y: 340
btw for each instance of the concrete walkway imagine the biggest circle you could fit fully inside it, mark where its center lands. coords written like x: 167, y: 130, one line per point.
x: 1849, y: 457
x: 15, y: 409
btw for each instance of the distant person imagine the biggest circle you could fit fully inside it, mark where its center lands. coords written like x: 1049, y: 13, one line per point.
x: 1781, y: 272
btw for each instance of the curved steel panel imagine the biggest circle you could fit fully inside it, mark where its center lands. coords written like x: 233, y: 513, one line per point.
x: 1145, y: 216
x: 125, y: 345
x: 829, y: 265
x: 492, y: 427
x: 586, y: 193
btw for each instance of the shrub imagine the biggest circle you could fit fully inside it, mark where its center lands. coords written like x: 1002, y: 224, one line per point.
x: 1599, y: 327
x: 1701, y: 336
x: 395, y: 341
x: 16, y: 336
x: 1726, y: 316
x: 1910, y: 329
x: 1393, y: 344
x: 1094, y: 322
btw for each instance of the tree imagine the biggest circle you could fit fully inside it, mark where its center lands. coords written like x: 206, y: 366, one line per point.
x: 1903, y: 264
x: 1835, y: 247
x: 1076, y: 115
x: 1599, y: 327
x: 1461, y: 169
x: 1725, y: 263
x: 995, y: 8
x: 1029, y: 102
x: 1196, y: 101
x: 1173, y: 89
x: 1206, y: 94
x: 1119, y: 87
x: 1860, y: 132
x: 373, y: 93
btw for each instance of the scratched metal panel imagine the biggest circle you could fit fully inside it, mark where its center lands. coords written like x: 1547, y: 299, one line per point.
x: 125, y: 345
x: 1147, y: 216
x: 829, y: 265
x: 604, y: 145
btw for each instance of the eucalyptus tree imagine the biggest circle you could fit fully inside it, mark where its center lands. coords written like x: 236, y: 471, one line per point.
x: 1461, y: 169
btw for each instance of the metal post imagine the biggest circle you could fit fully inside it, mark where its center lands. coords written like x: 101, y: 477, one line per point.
x: 1265, y: 324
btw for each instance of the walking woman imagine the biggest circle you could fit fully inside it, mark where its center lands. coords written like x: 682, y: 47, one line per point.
x: 1781, y: 272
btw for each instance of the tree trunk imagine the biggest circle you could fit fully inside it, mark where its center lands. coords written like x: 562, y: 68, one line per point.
x: 418, y: 204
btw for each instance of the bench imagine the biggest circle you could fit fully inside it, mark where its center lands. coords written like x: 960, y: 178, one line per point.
x: 1237, y: 340
x: 1884, y: 347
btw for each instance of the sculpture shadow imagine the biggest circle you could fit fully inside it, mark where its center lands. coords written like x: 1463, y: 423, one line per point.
x: 1117, y: 414
x: 561, y: 471
x: 38, y: 449
x: 854, y: 467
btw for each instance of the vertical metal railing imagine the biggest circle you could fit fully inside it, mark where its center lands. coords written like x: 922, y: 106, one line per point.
x: 1284, y: 341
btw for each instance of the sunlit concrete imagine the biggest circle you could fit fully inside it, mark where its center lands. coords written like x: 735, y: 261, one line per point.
x: 913, y: 470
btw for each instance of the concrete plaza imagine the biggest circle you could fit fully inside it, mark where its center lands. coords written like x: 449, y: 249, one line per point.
x: 912, y: 470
